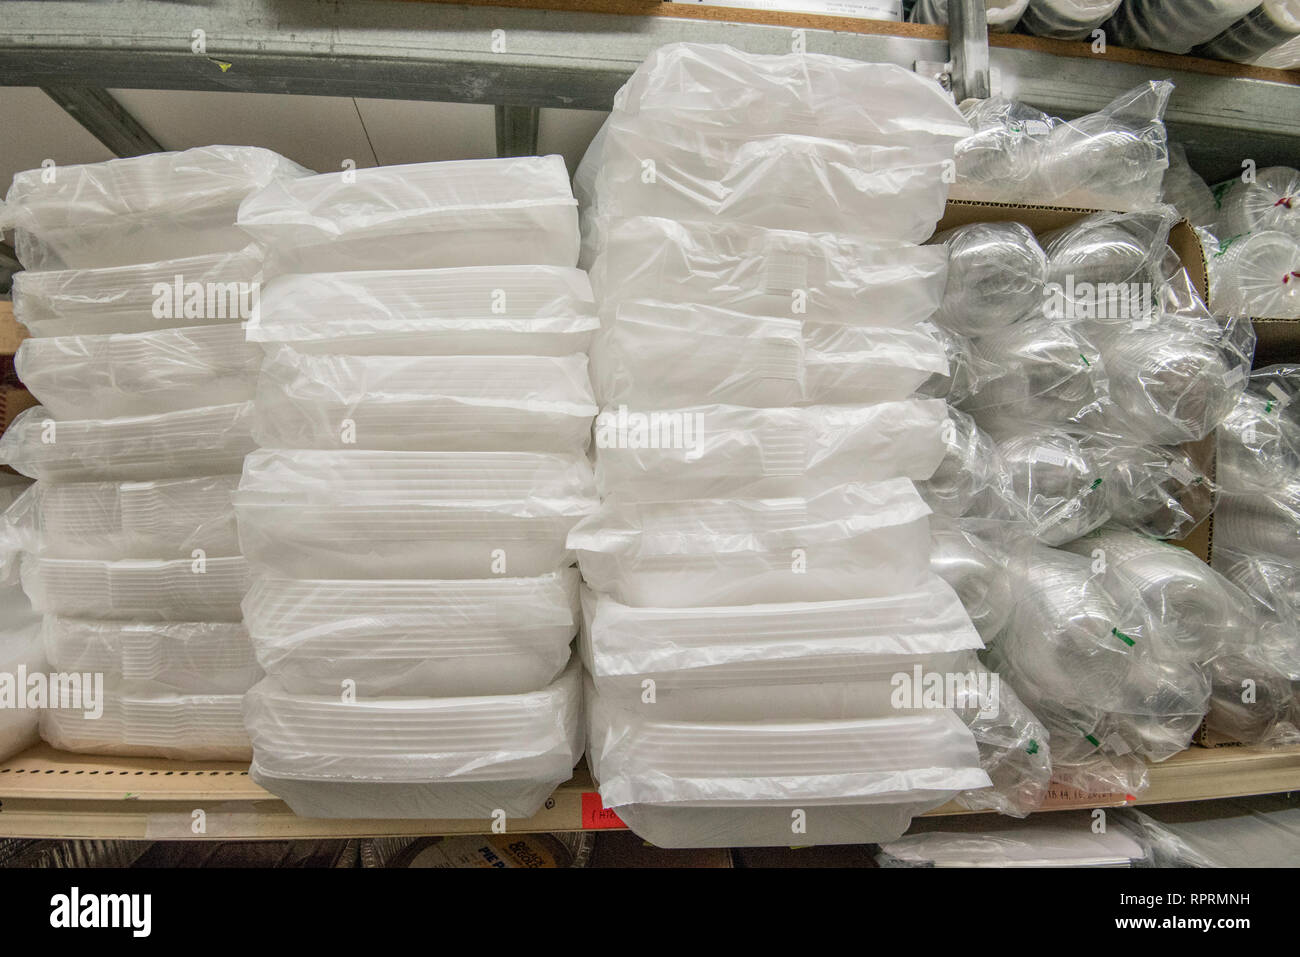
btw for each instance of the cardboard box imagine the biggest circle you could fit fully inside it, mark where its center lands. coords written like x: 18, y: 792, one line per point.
x: 11, y: 332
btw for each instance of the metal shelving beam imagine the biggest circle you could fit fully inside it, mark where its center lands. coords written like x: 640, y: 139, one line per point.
x: 105, y: 119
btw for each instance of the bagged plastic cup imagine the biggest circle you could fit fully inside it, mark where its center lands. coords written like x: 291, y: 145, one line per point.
x: 1002, y: 15
x: 1174, y: 26
x: 1259, y: 440
x: 1066, y: 19
x: 1166, y: 700
x: 1285, y: 56
x: 719, y: 451
x: 1257, y: 275
x: 1269, y: 25
x: 1002, y: 157
x: 854, y: 541
x: 1273, y: 587
x: 189, y: 657
x: 183, y: 727
x: 972, y: 557
x: 1183, y: 188
x: 143, y: 373
x: 199, y: 290
x: 1248, y: 721
x: 473, y: 310
x: 1270, y: 202
x: 967, y: 371
x: 1057, y: 484
x: 138, y: 210
x: 971, y: 479
x: 817, y: 277
x: 1264, y: 523
x: 996, y: 276
x: 484, y: 212
x: 1157, y: 490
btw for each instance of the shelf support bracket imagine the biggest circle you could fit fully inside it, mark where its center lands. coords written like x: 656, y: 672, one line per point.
x: 517, y: 128
x: 104, y: 118
x: 968, y: 49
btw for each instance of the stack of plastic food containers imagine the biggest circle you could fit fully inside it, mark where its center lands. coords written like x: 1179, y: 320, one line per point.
x: 758, y: 595
x: 145, y: 383
x: 20, y: 631
x: 423, y: 411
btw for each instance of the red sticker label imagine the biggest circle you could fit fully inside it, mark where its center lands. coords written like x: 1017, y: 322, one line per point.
x: 597, y: 817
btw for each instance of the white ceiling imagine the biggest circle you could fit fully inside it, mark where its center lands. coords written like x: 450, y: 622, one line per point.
x: 320, y: 132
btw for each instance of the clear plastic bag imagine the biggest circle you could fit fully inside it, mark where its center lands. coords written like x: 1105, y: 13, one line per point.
x: 971, y: 479
x: 1061, y: 840
x: 1056, y: 484
x: 1273, y: 586
x: 765, y: 453
x: 1259, y: 831
x: 431, y: 637
x: 415, y: 757
x: 1002, y: 15
x: 1269, y: 25
x: 854, y: 541
x: 128, y: 299
x: 473, y: 310
x: 1270, y: 202
x: 145, y: 373
x: 974, y: 556
x: 199, y: 589
x: 1066, y: 19
x: 365, y: 514
x: 1261, y: 523
x: 206, y: 441
x: 1284, y: 56
x: 164, y: 519
x: 189, y: 657
x: 1257, y: 275
x: 1160, y: 491
x: 997, y: 274
x: 486, y: 212
x: 137, y: 210
x: 1258, y: 443
x: 183, y: 727
x: 1174, y: 26
x: 20, y: 647
x: 449, y: 403
x: 1183, y: 187
x: 817, y: 277
x: 711, y: 783
x: 967, y: 372
x: 709, y: 650
x: 660, y: 354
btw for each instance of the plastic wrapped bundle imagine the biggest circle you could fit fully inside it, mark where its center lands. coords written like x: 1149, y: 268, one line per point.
x: 1258, y: 275
x: 730, y: 450
x: 214, y: 288
x: 1174, y: 26
x: 138, y: 210
x: 450, y: 403
x: 1063, y: 840
x: 169, y: 518
x: 1002, y: 15
x: 996, y: 277
x: 697, y: 783
x: 817, y: 277
x: 1066, y: 19
x: 1250, y: 702
x: 1270, y: 202
x: 1159, y: 491
x: 730, y: 94
x: 1183, y: 188
x: 1056, y: 483
x: 146, y: 373
x: 415, y: 757
x: 1285, y: 56
x: 971, y: 479
x: 1273, y: 586
x: 474, y: 310
x: 1001, y: 158
x: 367, y: 514
x: 973, y: 556
x: 716, y: 650
x: 1259, y: 440
x: 1167, y: 699
x: 854, y: 541
x: 201, y: 589
x: 188, y: 657
x: 790, y: 181
x: 184, y: 727
x: 1261, y: 523
x: 967, y: 372
x: 206, y: 441
x: 431, y: 637
x: 1269, y: 25
x: 486, y: 212
x: 657, y: 354
x: 20, y: 648
x: 1048, y: 373
x: 1259, y: 831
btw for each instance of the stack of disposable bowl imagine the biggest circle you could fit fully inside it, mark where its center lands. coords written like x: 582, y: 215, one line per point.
x: 423, y: 410
x: 136, y: 285
x: 758, y: 595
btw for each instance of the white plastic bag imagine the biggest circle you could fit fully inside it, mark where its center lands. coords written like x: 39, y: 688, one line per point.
x: 439, y: 758
x: 728, y: 450
x: 189, y: 657
x: 460, y: 403
x: 183, y: 727
x: 363, y: 514
x: 817, y: 277
x: 198, y: 589
x: 169, y: 518
x: 145, y: 373
x: 20, y: 647
x: 213, y: 288
x: 137, y: 210
x: 486, y: 212
x: 431, y: 637
x: 854, y: 541
x: 205, y: 441
x: 473, y: 310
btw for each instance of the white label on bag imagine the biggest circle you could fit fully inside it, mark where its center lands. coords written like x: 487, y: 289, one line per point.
x: 1181, y: 472
x: 1051, y: 456
x: 1234, y: 375
x: 1037, y: 128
